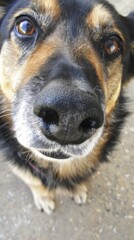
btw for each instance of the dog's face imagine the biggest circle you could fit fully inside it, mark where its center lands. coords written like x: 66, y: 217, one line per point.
x: 62, y: 66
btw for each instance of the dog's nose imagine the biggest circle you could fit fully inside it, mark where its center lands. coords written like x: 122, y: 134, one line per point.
x: 69, y: 115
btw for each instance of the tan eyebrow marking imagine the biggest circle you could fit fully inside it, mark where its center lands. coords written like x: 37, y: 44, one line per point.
x: 99, y: 17
x: 50, y: 6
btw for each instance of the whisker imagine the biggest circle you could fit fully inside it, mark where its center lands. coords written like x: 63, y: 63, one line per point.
x: 6, y: 110
x: 5, y: 115
x: 28, y: 157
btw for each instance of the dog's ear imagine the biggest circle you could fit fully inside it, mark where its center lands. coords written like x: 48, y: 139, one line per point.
x: 129, y: 22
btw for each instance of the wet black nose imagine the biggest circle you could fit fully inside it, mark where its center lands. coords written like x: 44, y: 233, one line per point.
x: 69, y: 115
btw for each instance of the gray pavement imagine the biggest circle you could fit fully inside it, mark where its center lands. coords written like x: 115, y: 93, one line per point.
x: 109, y: 211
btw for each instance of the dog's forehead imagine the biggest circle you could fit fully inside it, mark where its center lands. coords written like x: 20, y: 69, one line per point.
x: 50, y: 6
x: 53, y: 4
x: 94, y: 10
x: 45, y: 4
x: 100, y: 16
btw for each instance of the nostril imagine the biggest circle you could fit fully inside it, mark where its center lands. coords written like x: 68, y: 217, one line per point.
x: 88, y: 124
x: 50, y: 116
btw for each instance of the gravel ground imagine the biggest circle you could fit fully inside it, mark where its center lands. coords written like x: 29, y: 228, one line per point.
x: 108, y: 213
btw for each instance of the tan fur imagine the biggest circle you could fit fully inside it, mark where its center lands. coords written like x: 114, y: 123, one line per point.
x: 87, y: 51
x: 9, y: 54
x: 38, y: 58
x: 21, y: 73
x: 113, y: 85
x: 99, y: 17
x: 49, y: 6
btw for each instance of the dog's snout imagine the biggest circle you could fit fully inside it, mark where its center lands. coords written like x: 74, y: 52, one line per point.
x: 69, y: 116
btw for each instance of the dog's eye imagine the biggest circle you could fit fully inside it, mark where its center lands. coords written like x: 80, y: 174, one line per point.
x: 25, y: 27
x: 112, y: 47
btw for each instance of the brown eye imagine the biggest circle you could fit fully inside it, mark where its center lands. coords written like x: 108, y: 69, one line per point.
x: 25, y: 27
x: 112, y: 47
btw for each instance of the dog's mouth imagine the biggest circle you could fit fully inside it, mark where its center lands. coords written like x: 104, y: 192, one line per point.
x: 55, y: 155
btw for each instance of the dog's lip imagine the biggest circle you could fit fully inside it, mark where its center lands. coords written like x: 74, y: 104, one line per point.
x: 55, y: 154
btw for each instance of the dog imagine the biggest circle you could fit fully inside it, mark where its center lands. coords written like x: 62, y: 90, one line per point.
x: 63, y: 68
